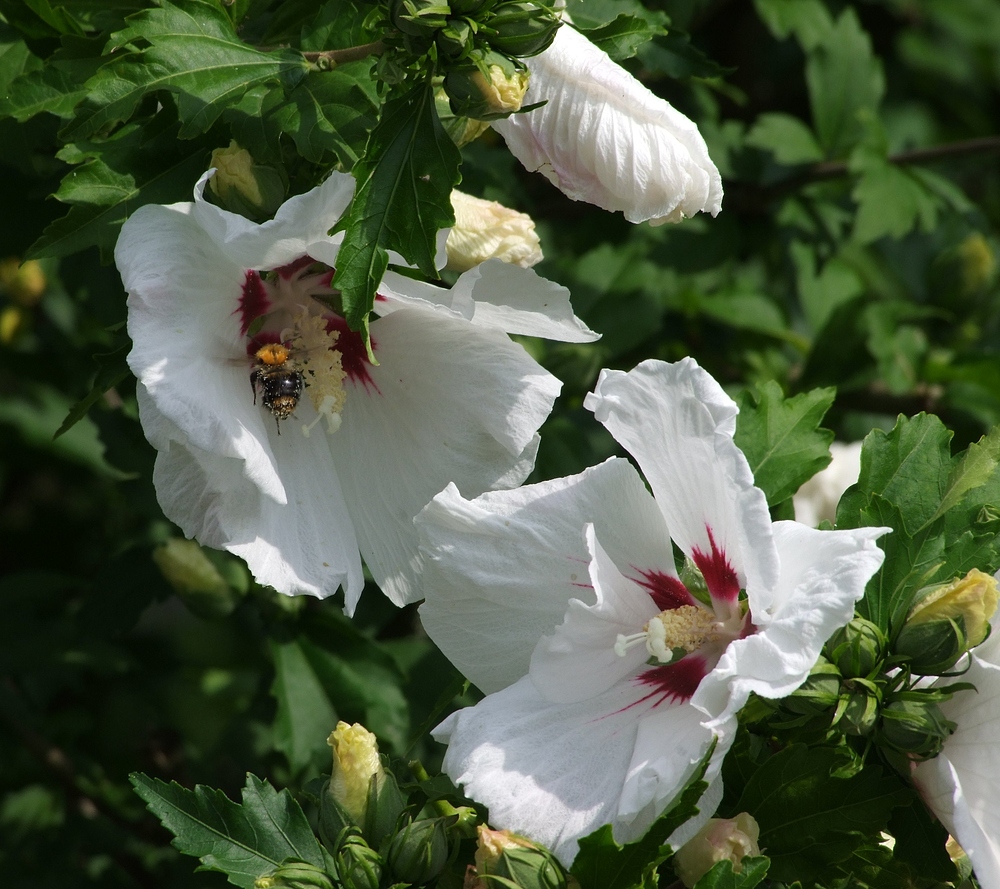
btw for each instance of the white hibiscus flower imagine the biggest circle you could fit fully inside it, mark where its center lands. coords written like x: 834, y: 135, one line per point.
x: 451, y: 399
x: 604, y: 138
x: 607, y: 676
x: 961, y: 784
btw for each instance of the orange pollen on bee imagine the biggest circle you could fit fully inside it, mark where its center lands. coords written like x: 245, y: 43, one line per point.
x: 273, y: 354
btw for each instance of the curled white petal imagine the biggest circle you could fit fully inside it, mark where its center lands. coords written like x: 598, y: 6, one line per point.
x: 604, y: 138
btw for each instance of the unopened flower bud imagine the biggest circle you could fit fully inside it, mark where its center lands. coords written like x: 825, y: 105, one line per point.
x: 915, y: 727
x: 23, y: 283
x: 504, y: 858
x: 523, y: 28
x: 295, y: 875
x: 419, y: 851
x: 244, y: 187
x: 818, y: 693
x: 356, y: 764
x: 721, y: 839
x: 858, y: 708
x: 419, y: 18
x: 489, y: 230
x: 946, y: 621
x: 358, y: 865
x: 487, y: 87
x: 12, y: 321
x: 978, y: 262
x: 856, y: 648
x: 455, y: 39
x: 194, y: 578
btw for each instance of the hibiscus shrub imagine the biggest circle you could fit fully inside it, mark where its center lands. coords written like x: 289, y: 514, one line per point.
x: 631, y: 517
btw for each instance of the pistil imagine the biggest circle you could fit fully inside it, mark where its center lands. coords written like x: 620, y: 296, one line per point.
x: 685, y: 628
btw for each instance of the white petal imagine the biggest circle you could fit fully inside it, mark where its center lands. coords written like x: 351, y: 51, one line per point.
x: 501, y: 569
x: 553, y: 772
x: 823, y: 574
x: 447, y: 402
x: 519, y: 300
x: 306, y: 546
x: 669, y: 747
x: 300, y: 222
x: 962, y: 784
x: 578, y: 660
x: 602, y: 137
x: 817, y: 499
x: 398, y: 291
x: 186, y: 341
x: 678, y: 423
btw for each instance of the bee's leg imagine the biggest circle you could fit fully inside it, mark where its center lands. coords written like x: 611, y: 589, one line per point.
x: 253, y: 385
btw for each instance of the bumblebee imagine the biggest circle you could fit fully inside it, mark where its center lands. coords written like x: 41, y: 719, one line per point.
x: 278, y: 381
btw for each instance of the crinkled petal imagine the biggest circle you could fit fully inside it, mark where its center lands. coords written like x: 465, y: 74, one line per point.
x: 305, y: 546
x: 500, y: 570
x: 823, y: 574
x: 448, y: 402
x: 553, y: 772
x: 670, y: 744
x: 578, y: 660
x: 186, y: 342
x: 301, y: 221
x: 603, y: 138
x: 678, y: 423
x: 962, y: 784
x: 518, y: 300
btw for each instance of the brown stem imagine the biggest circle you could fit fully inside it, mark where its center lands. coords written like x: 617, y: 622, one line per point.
x: 330, y: 58
x: 824, y: 170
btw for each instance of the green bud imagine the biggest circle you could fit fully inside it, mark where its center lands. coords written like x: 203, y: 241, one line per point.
x: 462, y: 130
x: 857, y: 648
x: 455, y: 39
x: 857, y: 710
x: 947, y: 620
x: 502, y: 856
x: 359, y: 866
x: 488, y: 86
x: 243, y: 187
x: 420, y: 850
x: 194, y: 578
x: 523, y: 28
x: 419, y: 18
x: 915, y: 727
x: 295, y: 875
x: 818, y: 693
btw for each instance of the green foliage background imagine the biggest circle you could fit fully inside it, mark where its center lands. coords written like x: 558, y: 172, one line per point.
x: 856, y: 255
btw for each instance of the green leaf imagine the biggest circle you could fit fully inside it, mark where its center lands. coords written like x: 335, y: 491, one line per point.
x: 722, y: 875
x: 909, y: 467
x: 195, y: 53
x: 112, y: 369
x: 920, y: 843
x: 337, y: 25
x: 809, y: 819
x: 782, y: 439
x: 129, y: 172
x: 49, y: 90
x: 305, y: 715
x: 592, y: 14
x: 845, y: 83
x: 602, y: 863
x: 786, y: 137
x: 244, y: 841
x: 622, y: 37
x: 891, y: 203
x: 330, y: 112
x: 403, y: 198
x: 746, y: 311
x: 808, y: 20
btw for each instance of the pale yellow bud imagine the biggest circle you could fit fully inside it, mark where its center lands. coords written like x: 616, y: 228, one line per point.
x: 242, y: 186
x: 978, y: 262
x: 489, y: 230
x: 11, y: 322
x: 355, y: 762
x: 23, y: 282
x: 720, y: 839
x: 492, y: 844
x: 504, y: 93
x: 973, y: 598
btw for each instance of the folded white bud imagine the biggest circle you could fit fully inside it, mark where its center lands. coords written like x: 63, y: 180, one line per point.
x: 489, y: 230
